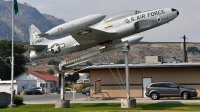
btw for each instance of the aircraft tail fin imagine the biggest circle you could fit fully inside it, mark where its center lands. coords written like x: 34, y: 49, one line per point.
x: 35, y: 39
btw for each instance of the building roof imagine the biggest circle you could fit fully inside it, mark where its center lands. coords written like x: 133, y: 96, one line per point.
x: 122, y: 66
x: 41, y: 74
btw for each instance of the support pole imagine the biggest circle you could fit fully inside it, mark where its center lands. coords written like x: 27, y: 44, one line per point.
x: 62, y: 103
x: 125, y: 50
x: 73, y: 92
x: 128, y: 102
x: 127, y: 75
x: 62, y: 87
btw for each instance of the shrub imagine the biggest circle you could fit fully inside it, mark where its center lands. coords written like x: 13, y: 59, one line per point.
x: 68, y: 89
x: 83, y: 87
x: 18, y: 99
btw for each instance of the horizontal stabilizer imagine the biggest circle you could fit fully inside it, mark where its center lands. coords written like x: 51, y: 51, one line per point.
x: 35, y: 47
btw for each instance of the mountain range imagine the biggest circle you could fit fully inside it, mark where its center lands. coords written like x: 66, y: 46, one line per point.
x: 26, y: 16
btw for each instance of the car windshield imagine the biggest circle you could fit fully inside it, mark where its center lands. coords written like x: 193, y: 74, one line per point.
x: 180, y: 85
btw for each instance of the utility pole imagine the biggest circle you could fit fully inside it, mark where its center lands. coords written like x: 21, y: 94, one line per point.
x: 184, y: 50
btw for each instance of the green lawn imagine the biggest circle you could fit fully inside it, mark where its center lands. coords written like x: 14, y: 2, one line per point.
x: 103, y: 107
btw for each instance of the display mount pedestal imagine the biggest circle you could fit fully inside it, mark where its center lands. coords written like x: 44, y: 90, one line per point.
x: 62, y: 104
x: 128, y: 103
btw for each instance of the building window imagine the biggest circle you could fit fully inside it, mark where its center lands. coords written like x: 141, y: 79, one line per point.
x: 51, y: 85
x: 46, y: 85
x: 42, y: 85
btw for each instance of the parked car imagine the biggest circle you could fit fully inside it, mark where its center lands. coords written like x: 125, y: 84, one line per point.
x: 41, y: 90
x: 86, y: 91
x: 169, y: 89
x: 32, y: 91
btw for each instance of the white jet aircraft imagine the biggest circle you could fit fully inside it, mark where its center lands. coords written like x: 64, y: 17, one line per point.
x: 86, y: 33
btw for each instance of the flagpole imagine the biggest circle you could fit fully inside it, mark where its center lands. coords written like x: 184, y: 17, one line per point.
x: 12, y: 105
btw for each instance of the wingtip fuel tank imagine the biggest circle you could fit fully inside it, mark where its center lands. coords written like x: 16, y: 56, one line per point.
x: 77, y: 24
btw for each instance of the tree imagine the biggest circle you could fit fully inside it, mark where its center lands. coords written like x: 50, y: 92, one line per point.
x: 53, y: 62
x: 75, y: 76
x: 121, y: 61
x: 72, y: 78
x: 51, y: 71
x: 26, y: 60
x: 5, y: 54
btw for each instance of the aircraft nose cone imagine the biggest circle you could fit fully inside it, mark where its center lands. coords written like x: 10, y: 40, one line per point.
x: 174, y: 10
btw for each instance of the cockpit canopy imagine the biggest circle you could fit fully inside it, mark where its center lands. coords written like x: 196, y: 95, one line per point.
x: 122, y: 15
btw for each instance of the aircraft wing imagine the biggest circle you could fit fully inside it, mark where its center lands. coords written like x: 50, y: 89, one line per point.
x: 35, y: 47
x: 90, y: 35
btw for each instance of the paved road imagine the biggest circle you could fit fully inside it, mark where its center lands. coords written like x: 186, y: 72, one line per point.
x: 138, y: 100
x: 49, y: 98
x: 79, y: 98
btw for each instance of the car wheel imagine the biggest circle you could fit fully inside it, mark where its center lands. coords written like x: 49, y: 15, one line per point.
x: 87, y: 93
x: 185, y: 95
x: 154, y: 96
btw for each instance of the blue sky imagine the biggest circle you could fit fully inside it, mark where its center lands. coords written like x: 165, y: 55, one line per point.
x: 187, y: 23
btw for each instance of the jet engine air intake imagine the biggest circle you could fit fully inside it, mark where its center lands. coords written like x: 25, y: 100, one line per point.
x: 175, y: 10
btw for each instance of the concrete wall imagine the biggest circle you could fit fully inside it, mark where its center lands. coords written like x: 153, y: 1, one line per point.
x: 4, y: 98
x: 5, y: 86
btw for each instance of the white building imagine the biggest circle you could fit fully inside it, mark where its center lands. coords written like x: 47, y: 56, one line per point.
x: 30, y: 79
x: 83, y: 81
x: 6, y: 86
x: 83, y: 78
